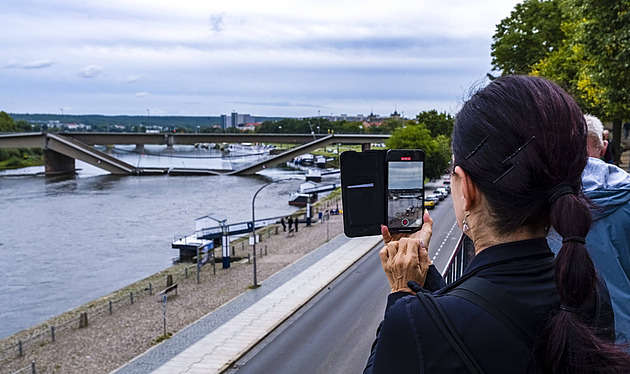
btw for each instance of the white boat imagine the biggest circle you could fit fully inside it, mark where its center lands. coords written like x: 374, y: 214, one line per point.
x: 320, y: 161
x: 314, y: 175
x: 247, y: 148
x: 306, y: 159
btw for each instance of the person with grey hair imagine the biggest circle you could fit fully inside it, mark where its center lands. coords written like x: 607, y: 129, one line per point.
x: 608, y: 240
x: 595, y: 145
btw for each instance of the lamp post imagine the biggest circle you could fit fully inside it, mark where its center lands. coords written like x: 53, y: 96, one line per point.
x: 254, y: 223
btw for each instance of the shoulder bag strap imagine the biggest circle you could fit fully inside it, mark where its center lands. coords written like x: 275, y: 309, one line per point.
x: 448, y: 330
x: 503, y: 306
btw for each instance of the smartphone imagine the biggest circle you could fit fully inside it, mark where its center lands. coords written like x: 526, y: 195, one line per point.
x: 405, y: 190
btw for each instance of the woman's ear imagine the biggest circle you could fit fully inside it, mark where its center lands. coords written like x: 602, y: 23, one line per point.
x: 470, y: 193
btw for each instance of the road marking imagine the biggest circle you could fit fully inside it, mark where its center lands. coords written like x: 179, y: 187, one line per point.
x: 448, y: 235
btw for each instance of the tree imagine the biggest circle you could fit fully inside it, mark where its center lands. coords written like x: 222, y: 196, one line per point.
x: 568, y: 66
x: 591, y: 61
x: 606, y: 38
x: 437, y: 123
x: 7, y: 124
x: 416, y: 136
x: 532, y: 31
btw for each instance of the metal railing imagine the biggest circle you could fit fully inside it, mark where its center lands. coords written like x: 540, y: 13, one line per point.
x: 461, y: 256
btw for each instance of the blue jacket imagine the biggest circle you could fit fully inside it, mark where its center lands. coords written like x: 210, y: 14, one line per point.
x: 608, y: 241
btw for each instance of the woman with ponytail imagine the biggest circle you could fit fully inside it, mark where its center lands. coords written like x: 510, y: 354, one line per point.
x: 519, y: 148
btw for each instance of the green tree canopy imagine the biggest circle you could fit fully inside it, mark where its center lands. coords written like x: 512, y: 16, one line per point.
x: 606, y: 37
x: 437, y: 123
x: 417, y: 136
x: 7, y: 124
x: 532, y: 31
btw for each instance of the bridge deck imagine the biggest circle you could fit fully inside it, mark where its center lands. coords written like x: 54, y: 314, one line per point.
x: 79, y: 146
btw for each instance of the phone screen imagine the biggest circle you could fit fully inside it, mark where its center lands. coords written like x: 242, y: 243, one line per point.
x: 405, y: 194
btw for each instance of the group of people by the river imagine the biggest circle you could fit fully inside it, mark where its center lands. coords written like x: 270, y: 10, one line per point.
x: 292, y: 223
x: 548, y: 289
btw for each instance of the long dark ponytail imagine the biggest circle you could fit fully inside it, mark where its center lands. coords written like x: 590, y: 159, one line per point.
x: 522, y: 140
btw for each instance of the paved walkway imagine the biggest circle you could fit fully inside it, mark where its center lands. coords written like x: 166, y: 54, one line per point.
x: 217, y: 340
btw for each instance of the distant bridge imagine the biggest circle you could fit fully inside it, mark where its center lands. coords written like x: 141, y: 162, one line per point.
x: 61, y: 149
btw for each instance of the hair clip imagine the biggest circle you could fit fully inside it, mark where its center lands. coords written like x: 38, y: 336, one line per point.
x: 518, y: 150
x: 505, y: 173
x: 477, y: 148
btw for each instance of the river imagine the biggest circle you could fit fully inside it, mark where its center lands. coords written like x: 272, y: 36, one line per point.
x: 65, y: 241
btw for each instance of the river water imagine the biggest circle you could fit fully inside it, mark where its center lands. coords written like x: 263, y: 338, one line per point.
x: 66, y: 241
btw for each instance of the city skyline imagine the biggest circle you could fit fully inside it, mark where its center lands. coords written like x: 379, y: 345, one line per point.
x: 289, y: 59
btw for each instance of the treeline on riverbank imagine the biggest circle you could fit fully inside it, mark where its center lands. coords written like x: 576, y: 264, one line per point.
x: 15, y: 158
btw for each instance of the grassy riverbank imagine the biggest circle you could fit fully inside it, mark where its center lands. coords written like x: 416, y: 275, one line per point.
x: 15, y: 158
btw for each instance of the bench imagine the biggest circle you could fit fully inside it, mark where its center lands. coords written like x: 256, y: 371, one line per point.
x: 172, y: 287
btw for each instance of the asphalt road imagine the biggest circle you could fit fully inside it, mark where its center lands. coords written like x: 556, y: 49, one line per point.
x: 333, y: 333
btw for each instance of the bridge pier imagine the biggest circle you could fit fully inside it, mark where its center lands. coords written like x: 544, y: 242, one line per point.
x: 57, y: 163
x: 139, y: 148
x: 365, y: 147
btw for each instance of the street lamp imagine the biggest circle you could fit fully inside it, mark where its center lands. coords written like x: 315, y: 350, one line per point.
x: 254, y: 222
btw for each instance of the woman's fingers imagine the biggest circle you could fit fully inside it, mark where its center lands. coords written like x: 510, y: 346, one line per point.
x: 387, y: 237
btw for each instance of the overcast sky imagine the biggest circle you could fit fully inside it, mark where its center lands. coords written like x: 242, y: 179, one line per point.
x: 269, y: 58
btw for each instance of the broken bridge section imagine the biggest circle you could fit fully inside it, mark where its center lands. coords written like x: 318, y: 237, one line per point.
x: 364, y: 140
x: 60, y: 153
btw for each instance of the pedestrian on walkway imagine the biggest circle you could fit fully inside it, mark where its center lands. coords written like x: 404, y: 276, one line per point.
x: 284, y: 226
x: 290, y: 221
x: 296, y: 224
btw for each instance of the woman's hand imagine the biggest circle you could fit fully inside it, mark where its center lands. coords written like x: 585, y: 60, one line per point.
x: 424, y: 233
x: 403, y: 261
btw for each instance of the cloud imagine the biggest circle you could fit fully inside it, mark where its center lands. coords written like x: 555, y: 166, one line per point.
x: 132, y: 78
x: 142, y: 94
x: 36, y: 64
x: 216, y: 22
x: 91, y: 71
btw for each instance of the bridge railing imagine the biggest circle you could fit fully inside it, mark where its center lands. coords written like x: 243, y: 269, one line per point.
x: 461, y: 256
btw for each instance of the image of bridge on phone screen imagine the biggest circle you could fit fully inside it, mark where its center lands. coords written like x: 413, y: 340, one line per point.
x: 405, y: 195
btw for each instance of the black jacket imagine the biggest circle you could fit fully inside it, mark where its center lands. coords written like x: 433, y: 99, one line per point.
x: 408, y: 341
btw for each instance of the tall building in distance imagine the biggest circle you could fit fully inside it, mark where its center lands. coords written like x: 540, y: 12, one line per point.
x: 235, y: 120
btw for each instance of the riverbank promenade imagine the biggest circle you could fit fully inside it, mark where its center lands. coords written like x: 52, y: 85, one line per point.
x: 214, y: 342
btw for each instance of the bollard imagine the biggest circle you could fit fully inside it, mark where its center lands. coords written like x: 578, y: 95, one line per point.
x: 110, y: 307
x: 233, y: 252
x: 248, y: 259
x: 265, y: 250
x: 131, y: 297
x: 261, y: 251
x: 20, y: 347
x: 52, y: 334
x: 83, y: 320
x: 150, y: 289
x: 186, y: 272
x: 242, y: 245
x: 169, y: 280
x: 33, y: 371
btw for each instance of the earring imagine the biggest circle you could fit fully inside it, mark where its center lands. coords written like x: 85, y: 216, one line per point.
x: 465, y: 223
